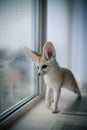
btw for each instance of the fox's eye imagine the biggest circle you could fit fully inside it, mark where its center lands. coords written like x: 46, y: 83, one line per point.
x: 44, y: 66
x: 37, y: 67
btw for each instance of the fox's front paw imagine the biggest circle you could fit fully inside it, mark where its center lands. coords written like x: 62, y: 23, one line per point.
x: 55, y: 111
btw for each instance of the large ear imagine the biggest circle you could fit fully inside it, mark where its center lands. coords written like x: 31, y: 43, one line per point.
x: 49, y: 51
x: 33, y: 55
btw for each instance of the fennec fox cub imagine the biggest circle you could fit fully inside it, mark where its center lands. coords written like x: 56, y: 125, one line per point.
x: 55, y: 77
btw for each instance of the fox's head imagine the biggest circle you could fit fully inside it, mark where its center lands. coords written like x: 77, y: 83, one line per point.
x: 44, y: 61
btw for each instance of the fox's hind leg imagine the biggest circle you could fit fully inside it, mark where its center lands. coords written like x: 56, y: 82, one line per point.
x: 77, y: 91
x: 74, y: 88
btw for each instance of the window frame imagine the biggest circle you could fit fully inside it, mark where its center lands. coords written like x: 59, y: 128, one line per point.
x: 20, y: 108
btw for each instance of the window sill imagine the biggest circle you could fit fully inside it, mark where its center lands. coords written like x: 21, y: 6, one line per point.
x: 40, y: 118
x: 16, y: 115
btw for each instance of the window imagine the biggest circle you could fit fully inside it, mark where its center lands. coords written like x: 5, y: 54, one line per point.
x: 19, y: 28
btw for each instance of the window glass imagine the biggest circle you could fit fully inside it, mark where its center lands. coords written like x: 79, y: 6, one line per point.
x: 19, y: 20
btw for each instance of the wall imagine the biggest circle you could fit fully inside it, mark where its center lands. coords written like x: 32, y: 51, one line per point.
x: 67, y: 29
x: 57, y: 28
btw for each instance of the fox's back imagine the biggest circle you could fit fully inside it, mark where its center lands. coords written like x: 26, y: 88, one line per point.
x: 60, y: 77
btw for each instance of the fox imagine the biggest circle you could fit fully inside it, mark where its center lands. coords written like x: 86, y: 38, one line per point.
x: 55, y: 76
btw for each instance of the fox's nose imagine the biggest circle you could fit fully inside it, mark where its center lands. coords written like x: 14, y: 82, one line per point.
x: 39, y: 74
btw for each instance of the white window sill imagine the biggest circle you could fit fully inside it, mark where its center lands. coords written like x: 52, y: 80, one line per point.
x: 20, y: 112
x: 40, y: 118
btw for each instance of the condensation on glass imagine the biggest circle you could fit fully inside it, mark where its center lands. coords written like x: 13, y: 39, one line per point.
x: 18, y: 27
